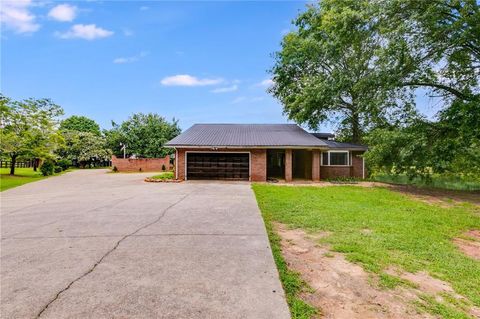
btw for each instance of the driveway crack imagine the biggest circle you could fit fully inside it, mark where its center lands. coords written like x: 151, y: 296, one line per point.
x: 162, y: 214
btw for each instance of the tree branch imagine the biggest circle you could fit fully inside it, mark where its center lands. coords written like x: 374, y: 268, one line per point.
x: 449, y: 89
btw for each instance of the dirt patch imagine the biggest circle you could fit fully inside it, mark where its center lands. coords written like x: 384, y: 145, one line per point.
x: 443, y: 197
x: 423, y: 281
x: 470, y: 245
x: 341, y: 289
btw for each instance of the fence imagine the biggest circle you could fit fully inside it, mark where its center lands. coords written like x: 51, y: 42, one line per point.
x: 6, y: 164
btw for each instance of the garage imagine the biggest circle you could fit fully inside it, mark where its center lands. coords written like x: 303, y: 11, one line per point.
x: 218, y: 165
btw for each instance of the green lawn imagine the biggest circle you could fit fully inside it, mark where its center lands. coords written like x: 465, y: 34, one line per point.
x: 164, y: 175
x: 405, y: 233
x: 22, y: 176
x: 438, y: 181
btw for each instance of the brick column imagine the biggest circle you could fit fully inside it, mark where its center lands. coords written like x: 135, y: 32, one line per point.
x: 315, y: 165
x: 288, y: 165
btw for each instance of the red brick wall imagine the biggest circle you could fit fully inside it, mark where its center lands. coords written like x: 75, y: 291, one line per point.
x: 140, y: 164
x: 357, y: 164
x: 258, y: 162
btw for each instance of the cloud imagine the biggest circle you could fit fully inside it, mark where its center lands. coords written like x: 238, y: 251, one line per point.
x: 266, y: 83
x: 188, y: 80
x: 225, y: 89
x: 85, y: 31
x: 248, y: 99
x: 130, y: 59
x: 16, y: 15
x: 63, y: 12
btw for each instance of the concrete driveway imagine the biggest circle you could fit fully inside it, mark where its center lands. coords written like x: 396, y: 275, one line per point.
x: 89, y: 244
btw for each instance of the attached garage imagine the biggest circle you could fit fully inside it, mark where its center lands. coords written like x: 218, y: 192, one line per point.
x: 218, y: 165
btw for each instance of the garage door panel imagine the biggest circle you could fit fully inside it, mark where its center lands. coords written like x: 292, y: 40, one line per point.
x: 229, y: 166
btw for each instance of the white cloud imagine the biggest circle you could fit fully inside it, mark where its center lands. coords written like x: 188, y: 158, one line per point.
x: 85, y: 31
x: 225, y: 89
x: 130, y: 59
x: 188, y: 80
x: 63, y: 12
x: 266, y: 83
x: 16, y: 15
x: 144, y: 8
x: 248, y: 99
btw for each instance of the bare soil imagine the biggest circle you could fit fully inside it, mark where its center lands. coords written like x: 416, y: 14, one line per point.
x: 341, y: 289
x: 469, y: 244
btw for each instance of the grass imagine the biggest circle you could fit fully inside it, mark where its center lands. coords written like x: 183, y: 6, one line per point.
x: 164, y: 175
x: 404, y: 233
x: 22, y: 176
x: 438, y: 181
x: 291, y: 281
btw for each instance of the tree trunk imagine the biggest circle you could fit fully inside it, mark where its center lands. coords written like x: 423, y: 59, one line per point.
x: 12, y: 164
x: 356, y: 132
x: 35, y: 164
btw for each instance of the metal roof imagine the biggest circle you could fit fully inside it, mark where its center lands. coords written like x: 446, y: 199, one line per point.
x: 323, y: 136
x: 246, y: 135
x: 347, y: 146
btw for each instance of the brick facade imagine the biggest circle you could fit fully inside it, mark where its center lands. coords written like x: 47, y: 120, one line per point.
x: 258, y: 164
x: 141, y: 164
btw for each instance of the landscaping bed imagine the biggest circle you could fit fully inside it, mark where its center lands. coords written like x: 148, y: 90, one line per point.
x: 165, y: 177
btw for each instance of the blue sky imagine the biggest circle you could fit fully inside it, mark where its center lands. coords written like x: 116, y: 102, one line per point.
x: 199, y: 62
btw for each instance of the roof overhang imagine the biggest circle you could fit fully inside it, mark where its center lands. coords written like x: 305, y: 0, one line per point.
x: 215, y: 147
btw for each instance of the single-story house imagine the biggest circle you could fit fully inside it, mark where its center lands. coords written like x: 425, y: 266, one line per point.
x: 257, y: 152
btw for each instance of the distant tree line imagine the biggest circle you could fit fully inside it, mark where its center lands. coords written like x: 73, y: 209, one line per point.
x: 359, y: 64
x: 32, y: 130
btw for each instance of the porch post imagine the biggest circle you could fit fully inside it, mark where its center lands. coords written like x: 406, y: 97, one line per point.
x: 315, y: 165
x: 288, y: 165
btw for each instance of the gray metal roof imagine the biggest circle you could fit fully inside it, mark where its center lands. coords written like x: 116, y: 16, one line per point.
x: 347, y: 146
x: 323, y: 136
x: 249, y: 135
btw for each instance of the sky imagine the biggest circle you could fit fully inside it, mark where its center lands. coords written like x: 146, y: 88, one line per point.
x: 198, y: 62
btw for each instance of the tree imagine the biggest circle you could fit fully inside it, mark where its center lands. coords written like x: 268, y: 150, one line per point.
x: 28, y: 128
x: 328, y: 70
x: 80, y: 124
x: 143, y: 134
x: 84, y: 147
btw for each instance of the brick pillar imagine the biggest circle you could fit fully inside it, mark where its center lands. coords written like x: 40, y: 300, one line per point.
x: 288, y: 165
x: 315, y: 165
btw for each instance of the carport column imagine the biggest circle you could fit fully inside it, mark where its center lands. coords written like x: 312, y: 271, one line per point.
x: 288, y: 165
x: 315, y: 165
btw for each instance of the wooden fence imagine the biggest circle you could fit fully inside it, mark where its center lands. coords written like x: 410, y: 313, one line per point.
x: 6, y: 164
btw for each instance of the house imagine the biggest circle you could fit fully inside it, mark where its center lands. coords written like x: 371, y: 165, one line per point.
x: 257, y: 152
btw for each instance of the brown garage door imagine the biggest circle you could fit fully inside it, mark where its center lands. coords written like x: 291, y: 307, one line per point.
x: 229, y: 166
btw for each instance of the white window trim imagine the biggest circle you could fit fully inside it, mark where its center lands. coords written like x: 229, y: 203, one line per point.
x: 349, y: 160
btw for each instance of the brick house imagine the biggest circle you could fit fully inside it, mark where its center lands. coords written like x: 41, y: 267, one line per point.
x: 257, y: 152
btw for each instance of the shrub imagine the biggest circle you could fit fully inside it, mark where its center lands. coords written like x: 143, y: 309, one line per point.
x: 115, y: 169
x: 163, y: 167
x: 64, y: 164
x: 48, y: 168
x: 57, y: 169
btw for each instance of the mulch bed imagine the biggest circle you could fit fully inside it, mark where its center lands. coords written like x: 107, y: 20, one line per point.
x: 153, y: 180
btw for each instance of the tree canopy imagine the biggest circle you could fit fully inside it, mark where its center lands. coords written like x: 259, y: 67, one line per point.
x: 80, y: 124
x: 143, y: 134
x: 84, y: 147
x: 359, y: 65
x: 28, y: 128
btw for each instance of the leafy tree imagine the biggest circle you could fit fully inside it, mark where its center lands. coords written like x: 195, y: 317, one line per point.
x: 84, y: 147
x: 143, y: 134
x: 28, y: 128
x: 329, y: 70
x: 80, y: 124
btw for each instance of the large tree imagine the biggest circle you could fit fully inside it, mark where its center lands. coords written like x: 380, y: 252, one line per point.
x: 84, y: 147
x: 80, y: 124
x: 328, y: 70
x: 28, y: 129
x: 143, y: 134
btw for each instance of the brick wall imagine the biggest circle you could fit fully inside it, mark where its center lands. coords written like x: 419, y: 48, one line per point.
x: 140, y: 164
x: 355, y: 170
x: 258, y: 162
x: 357, y: 164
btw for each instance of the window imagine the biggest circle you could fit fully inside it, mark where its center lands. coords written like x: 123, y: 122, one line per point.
x: 340, y: 158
